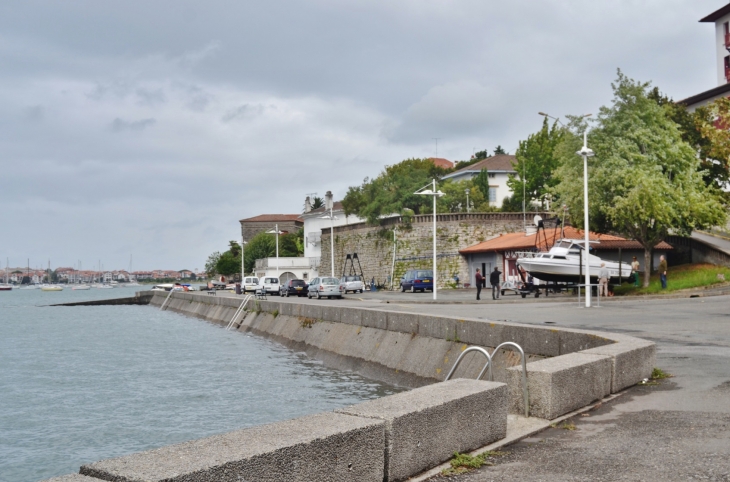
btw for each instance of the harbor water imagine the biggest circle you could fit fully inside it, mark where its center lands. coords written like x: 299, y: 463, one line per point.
x: 80, y: 384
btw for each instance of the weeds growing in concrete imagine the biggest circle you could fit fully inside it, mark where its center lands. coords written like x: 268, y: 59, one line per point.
x: 275, y: 313
x: 658, y: 374
x: 307, y: 322
x: 565, y: 425
x: 464, y: 462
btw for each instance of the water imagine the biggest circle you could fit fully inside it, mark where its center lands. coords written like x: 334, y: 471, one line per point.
x: 79, y: 384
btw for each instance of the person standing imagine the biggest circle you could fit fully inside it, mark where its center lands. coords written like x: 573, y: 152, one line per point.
x: 480, y: 281
x: 663, y: 271
x: 603, y: 280
x: 635, y: 267
x: 494, y: 281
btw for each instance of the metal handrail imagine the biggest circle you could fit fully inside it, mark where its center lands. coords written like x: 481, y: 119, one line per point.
x: 238, y: 312
x: 524, y: 371
x: 461, y: 356
x: 165, y: 302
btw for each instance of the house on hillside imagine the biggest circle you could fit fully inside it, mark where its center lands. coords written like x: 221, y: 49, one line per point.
x: 441, y: 162
x: 721, y: 19
x: 499, y: 167
x: 504, y: 250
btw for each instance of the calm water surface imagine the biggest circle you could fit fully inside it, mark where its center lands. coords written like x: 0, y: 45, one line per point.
x: 79, y: 384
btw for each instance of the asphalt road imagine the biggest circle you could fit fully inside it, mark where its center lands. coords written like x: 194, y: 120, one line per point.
x: 678, y: 430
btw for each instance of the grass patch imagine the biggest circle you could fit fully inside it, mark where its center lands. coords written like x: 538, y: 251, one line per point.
x: 658, y: 374
x: 275, y: 313
x: 307, y: 322
x: 464, y: 462
x: 680, y: 277
x: 565, y: 425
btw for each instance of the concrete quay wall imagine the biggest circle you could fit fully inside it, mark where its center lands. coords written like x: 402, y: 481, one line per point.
x: 412, y: 349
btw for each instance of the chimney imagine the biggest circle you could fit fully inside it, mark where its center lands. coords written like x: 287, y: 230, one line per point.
x: 307, y: 205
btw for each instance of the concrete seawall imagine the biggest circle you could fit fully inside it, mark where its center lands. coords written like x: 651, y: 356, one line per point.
x: 401, y: 435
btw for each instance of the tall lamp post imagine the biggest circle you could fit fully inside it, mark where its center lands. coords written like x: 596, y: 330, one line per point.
x: 243, y: 258
x: 586, y: 153
x: 277, y: 232
x: 329, y: 206
x: 467, y: 199
x: 432, y: 192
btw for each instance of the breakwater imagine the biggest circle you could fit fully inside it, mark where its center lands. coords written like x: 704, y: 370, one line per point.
x: 568, y: 369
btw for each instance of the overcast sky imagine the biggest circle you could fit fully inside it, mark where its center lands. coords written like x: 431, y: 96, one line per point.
x: 150, y: 128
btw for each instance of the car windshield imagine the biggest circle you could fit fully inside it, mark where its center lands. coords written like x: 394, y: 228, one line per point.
x: 424, y: 274
x: 353, y: 278
x: 329, y: 281
x: 271, y: 280
x: 252, y: 280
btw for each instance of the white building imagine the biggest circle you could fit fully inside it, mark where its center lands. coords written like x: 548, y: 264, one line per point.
x: 721, y: 19
x: 499, y: 167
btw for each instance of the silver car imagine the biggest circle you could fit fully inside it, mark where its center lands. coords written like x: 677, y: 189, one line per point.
x: 351, y: 283
x: 325, y: 286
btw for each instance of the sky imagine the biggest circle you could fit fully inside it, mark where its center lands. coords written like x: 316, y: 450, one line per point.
x: 148, y: 129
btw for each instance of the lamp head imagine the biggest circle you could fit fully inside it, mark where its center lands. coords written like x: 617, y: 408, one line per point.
x: 586, y: 152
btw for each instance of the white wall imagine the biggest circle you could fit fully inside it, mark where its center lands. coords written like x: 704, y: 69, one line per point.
x: 314, y: 223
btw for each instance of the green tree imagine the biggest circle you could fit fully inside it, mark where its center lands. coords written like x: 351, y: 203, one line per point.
x: 499, y: 150
x: 712, y: 140
x: 211, y: 263
x: 536, y: 163
x: 317, y: 202
x: 392, y: 191
x: 261, y: 246
x: 228, y: 264
x: 481, y: 182
x: 454, y: 198
x: 644, y: 179
x: 511, y: 204
x: 234, y: 247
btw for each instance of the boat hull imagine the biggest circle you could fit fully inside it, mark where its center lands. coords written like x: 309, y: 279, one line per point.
x: 546, y: 269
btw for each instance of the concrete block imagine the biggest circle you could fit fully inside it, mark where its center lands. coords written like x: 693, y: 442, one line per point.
x: 533, y: 339
x: 72, y: 478
x: 323, y: 447
x: 633, y: 359
x: 437, y: 327
x: 375, y: 319
x: 561, y: 384
x: 425, y: 426
x: 331, y: 313
x: 480, y: 333
x: 311, y: 311
x: 351, y: 316
x: 572, y: 341
x: 403, y: 322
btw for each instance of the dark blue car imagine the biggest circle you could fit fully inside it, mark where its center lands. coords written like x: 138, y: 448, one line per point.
x: 417, y: 280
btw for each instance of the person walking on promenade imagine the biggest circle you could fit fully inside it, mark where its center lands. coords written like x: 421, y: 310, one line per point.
x: 635, y: 267
x: 663, y: 271
x: 603, y: 280
x: 494, y: 281
x: 480, y: 281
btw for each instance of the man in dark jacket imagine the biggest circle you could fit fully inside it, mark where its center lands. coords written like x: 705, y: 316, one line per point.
x: 494, y: 280
x: 480, y: 281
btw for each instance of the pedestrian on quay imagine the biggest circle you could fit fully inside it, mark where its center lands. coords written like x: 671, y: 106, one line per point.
x: 480, y: 281
x: 635, y: 267
x: 494, y: 281
x: 603, y: 280
x: 663, y: 271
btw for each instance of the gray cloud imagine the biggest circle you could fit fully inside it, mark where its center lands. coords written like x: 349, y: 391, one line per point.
x: 264, y: 100
x: 119, y: 125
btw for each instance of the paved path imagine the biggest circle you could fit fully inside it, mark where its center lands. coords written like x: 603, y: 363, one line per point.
x: 676, y: 431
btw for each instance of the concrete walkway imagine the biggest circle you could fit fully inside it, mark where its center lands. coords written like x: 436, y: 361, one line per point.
x: 677, y: 430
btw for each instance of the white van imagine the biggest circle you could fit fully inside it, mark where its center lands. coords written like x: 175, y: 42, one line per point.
x: 270, y: 285
x: 250, y: 283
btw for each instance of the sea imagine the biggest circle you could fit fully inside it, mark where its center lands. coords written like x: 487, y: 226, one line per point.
x: 81, y: 384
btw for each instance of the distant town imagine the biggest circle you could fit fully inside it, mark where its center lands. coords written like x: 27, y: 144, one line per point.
x: 71, y: 275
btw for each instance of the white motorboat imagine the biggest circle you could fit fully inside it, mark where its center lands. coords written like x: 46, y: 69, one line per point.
x: 51, y: 288
x: 81, y: 287
x: 563, y: 264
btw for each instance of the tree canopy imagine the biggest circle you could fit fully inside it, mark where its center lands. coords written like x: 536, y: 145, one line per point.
x: 645, y: 179
x: 392, y: 192
x: 536, y: 163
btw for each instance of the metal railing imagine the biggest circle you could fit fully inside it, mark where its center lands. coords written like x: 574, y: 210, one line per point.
x: 488, y: 367
x: 239, y: 311
x: 162, y: 306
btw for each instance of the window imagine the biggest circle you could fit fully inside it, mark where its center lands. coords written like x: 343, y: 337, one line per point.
x: 424, y: 274
x: 492, y: 194
x: 491, y: 174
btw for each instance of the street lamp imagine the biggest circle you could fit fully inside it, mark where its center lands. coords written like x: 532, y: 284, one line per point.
x: 277, y: 232
x: 432, y: 192
x: 467, y: 199
x: 329, y: 205
x: 243, y: 257
x: 586, y: 153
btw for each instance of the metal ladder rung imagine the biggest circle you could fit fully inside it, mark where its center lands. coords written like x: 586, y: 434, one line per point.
x: 162, y: 306
x: 238, y: 312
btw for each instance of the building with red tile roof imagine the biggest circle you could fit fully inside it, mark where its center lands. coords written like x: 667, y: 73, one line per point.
x: 500, y: 167
x: 289, y: 223
x: 441, y: 162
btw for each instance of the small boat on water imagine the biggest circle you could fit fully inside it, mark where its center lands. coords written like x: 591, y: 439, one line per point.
x: 81, y: 287
x: 51, y: 288
x: 563, y: 264
x: 6, y: 286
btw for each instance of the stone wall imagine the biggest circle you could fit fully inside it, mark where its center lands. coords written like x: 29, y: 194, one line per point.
x: 414, y: 246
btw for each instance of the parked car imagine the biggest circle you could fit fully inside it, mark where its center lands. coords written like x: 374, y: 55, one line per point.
x: 250, y: 283
x: 324, y: 286
x: 351, y: 283
x: 294, y: 287
x: 269, y: 285
x: 417, y: 280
